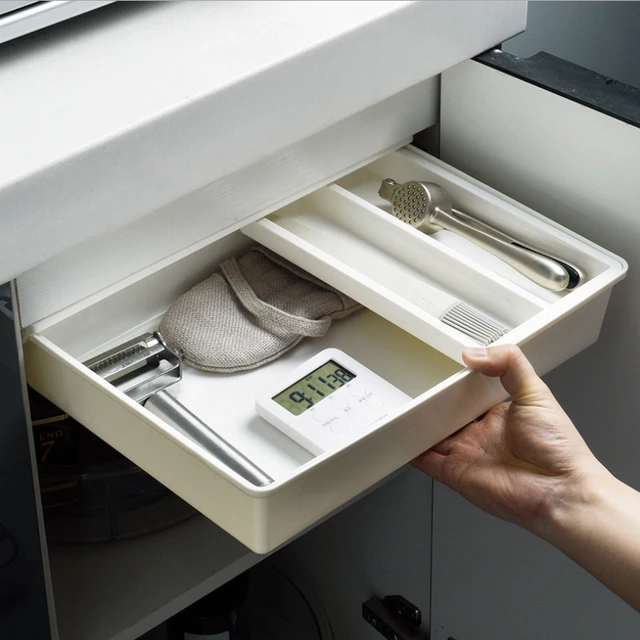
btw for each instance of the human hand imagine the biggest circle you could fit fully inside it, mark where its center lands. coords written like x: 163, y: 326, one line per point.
x: 523, y: 458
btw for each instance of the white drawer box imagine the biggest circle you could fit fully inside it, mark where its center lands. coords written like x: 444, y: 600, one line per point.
x: 341, y: 234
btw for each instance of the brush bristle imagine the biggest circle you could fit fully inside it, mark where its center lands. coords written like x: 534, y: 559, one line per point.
x: 474, y: 324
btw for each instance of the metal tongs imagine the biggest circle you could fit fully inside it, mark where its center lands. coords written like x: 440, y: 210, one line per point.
x: 428, y: 207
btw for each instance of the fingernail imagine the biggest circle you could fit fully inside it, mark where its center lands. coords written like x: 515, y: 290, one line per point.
x: 476, y: 352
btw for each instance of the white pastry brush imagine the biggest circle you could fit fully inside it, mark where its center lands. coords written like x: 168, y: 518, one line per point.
x: 453, y: 312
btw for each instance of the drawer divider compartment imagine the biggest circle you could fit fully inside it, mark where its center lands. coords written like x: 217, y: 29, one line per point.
x: 390, y: 267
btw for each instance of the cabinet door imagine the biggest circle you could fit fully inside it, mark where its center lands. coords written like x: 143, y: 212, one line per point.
x: 576, y: 159
x: 23, y: 585
x: 377, y: 547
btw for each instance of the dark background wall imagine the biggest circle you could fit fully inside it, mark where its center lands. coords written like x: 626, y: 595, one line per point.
x: 602, y: 36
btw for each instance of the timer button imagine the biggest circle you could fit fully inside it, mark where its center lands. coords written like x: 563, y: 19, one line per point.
x: 374, y: 402
x: 321, y: 414
x: 339, y: 401
x: 356, y: 390
x: 356, y: 415
x: 339, y: 426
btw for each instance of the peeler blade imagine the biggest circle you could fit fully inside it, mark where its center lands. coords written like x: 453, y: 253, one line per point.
x: 143, y: 368
x: 140, y: 367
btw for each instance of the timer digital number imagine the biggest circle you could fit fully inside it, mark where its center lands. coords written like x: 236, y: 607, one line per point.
x: 313, y: 388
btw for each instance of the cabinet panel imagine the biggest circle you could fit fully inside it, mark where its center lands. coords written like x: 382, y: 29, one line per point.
x: 206, y: 91
x: 379, y: 546
x: 91, y: 270
x: 24, y: 571
x: 579, y: 166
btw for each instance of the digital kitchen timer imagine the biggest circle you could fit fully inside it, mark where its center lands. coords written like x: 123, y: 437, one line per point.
x: 329, y: 401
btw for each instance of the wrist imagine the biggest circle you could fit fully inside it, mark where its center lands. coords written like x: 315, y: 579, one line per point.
x: 595, y: 521
x: 575, y: 503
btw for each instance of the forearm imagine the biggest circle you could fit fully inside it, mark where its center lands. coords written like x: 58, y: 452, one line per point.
x: 598, y: 526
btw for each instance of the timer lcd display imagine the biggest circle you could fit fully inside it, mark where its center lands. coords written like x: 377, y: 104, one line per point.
x: 313, y: 388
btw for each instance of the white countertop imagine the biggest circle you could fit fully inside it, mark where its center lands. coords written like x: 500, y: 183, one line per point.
x: 109, y: 116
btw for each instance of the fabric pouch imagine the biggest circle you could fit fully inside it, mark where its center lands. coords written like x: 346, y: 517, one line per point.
x: 255, y: 309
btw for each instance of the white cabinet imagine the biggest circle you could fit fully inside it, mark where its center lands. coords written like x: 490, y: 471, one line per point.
x: 303, y: 182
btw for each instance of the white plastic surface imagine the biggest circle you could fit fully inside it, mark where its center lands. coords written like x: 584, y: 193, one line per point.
x: 148, y: 102
x: 84, y: 273
x: 444, y: 397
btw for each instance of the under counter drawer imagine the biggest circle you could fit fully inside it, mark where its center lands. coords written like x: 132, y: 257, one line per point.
x: 343, y: 235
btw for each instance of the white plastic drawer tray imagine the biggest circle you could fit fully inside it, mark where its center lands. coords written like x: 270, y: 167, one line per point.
x: 344, y: 235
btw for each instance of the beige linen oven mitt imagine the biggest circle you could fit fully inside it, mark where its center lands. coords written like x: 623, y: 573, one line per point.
x: 251, y: 312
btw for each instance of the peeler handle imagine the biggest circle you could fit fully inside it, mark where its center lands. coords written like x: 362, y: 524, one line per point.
x: 165, y: 406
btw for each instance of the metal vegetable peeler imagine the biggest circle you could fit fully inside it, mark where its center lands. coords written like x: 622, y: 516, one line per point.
x: 143, y: 369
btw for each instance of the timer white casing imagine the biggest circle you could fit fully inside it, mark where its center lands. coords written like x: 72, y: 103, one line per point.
x: 371, y: 397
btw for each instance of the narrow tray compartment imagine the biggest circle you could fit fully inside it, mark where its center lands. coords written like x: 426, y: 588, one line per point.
x: 489, y: 206
x: 397, y: 272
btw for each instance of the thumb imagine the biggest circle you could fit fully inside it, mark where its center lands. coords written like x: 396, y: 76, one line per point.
x: 508, y: 362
